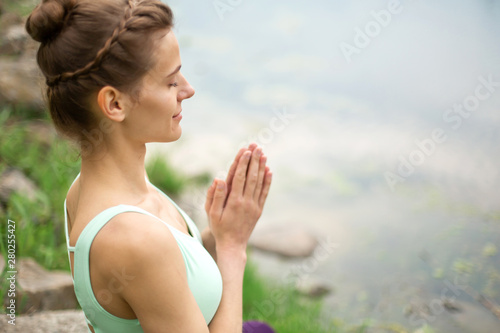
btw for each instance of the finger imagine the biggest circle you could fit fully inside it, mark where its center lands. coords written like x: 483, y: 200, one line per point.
x: 265, y: 188
x: 218, y: 201
x: 260, y: 177
x: 252, y: 146
x: 210, y: 197
x: 232, y: 169
x: 240, y: 175
x: 253, y: 173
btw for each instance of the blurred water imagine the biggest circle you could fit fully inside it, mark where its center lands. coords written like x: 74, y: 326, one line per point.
x: 274, y: 72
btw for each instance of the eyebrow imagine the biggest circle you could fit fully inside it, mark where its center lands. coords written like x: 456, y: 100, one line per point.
x: 175, y: 71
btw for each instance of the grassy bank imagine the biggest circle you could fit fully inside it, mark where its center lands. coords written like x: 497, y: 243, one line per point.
x: 51, y: 163
x: 281, y: 305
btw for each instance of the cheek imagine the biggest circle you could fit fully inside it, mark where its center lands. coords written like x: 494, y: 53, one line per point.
x: 166, y: 103
x: 172, y: 98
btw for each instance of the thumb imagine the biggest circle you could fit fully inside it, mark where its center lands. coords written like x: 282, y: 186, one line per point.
x: 210, y: 196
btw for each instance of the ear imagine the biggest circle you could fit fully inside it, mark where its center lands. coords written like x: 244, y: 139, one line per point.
x: 113, y: 103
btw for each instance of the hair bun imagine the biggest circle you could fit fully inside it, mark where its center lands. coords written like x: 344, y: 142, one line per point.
x: 48, y: 18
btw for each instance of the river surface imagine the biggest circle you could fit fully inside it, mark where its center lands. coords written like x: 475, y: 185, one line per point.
x: 381, y: 122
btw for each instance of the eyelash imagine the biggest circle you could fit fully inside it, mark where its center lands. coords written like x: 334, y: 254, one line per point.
x: 173, y: 84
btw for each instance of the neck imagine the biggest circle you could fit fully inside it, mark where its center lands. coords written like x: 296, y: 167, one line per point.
x: 120, y: 167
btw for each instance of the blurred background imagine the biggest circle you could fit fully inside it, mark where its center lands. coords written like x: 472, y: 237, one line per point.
x: 384, y: 145
x: 380, y: 120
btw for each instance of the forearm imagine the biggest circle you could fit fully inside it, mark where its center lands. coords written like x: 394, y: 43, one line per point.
x: 233, y: 210
x: 209, y: 242
x: 229, y: 316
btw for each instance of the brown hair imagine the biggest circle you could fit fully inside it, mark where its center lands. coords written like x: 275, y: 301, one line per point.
x: 89, y: 44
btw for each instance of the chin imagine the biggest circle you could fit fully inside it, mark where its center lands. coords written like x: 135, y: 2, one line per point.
x: 170, y: 138
x: 176, y: 135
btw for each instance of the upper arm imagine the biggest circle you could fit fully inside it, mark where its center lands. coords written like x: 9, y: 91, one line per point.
x: 157, y: 289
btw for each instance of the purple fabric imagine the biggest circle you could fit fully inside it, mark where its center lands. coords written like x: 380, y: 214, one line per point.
x: 256, y: 327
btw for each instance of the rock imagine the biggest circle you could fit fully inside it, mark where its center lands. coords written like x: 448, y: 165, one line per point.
x: 13, y: 180
x: 475, y: 318
x: 13, y: 41
x: 66, y: 321
x: 42, y: 132
x: 451, y: 305
x: 312, y: 287
x: 41, y: 290
x: 417, y: 307
x: 288, y: 242
x: 8, y: 20
x: 21, y: 83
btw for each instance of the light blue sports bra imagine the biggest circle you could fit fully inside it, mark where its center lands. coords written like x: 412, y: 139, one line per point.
x: 203, y: 275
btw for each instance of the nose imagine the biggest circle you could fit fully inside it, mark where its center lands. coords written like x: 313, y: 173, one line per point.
x: 187, y: 90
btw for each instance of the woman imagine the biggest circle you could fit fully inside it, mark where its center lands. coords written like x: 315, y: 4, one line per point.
x: 139, y: 263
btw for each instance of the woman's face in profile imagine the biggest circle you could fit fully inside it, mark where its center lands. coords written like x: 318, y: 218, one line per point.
x: 156, y: 116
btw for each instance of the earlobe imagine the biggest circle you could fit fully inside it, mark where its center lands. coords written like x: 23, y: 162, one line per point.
x: 111, y: 103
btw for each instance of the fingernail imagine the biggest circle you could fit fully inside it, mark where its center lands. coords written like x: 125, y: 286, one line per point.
x: 247, y: 156
x: 220, y: 185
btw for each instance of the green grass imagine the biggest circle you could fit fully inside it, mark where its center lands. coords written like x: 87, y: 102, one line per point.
x: 20, y: 7
x: 51, y: 166
x: 281, y: 306
x: 162, y: 175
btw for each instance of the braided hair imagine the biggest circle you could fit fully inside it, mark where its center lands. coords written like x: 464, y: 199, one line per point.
x: 86, y: 45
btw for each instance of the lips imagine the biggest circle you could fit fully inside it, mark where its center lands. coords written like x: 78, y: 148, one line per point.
x: 177, y: 115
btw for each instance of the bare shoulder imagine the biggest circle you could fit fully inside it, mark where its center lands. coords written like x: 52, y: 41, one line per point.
x: 132, y: 240
x: 143, y: 252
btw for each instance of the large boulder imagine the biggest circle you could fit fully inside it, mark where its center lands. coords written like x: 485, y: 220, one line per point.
x: 14, y: 181
x: 65, y: 321
x: 8, y: 20
x: 42, y: 290
x: 42, y: 132
x: 286, y: 241
x: 20, y: 83
x: 13, y: 41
